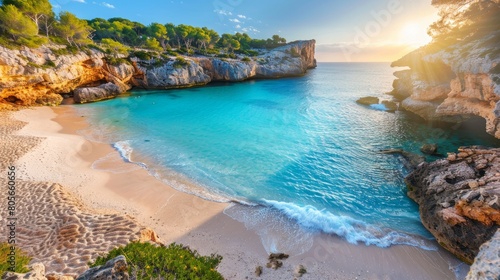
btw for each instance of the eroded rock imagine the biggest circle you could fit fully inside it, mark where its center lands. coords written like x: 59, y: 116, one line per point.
x: 116, y: 268
x: 368, y: 100
x: 458, y: 198
x: 487, y: 263
x: 92, y: 94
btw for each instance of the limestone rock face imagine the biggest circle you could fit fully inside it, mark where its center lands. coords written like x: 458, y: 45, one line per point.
x: 92, y: 94
x: 116, y: 268
x: 171, y: 76
x: 452, y: 84
x: 487, y: 263
x: 292, y: 59
x: 458, y: 198
x: 39, y: 76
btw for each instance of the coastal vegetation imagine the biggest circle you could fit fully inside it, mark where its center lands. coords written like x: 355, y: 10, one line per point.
x: 464, y: 21
x: 21, y: 259
x: 33, y: 23
x: 148, y: 261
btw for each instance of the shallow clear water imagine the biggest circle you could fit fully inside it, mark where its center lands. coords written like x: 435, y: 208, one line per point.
x: 299, y: 145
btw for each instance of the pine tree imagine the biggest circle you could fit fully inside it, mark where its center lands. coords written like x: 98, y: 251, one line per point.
x: 14, y: 23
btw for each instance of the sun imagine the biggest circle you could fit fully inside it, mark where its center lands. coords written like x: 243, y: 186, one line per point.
x: 414, y: 34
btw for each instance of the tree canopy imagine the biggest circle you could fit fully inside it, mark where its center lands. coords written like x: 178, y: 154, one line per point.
x: 13, y: 22
x: 72, y: 29
x: 34, y: 9
x: 464, y: 19
x: 25, y: 19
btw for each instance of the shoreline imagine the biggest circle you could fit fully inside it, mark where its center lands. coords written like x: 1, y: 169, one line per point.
x: 183, y: 218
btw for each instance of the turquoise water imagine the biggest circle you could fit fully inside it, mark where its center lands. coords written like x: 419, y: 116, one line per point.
x: 301, y: 146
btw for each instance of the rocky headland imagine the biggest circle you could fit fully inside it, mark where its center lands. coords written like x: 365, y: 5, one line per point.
x: 44, y: 75
x: 454, y: 83
x: 459, y: 198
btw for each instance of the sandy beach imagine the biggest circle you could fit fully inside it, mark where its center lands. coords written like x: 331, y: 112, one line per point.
x: 69, y: 212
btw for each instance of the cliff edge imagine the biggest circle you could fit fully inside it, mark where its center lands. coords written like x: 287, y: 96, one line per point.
x: 44, y: 75
x: 453, y: 83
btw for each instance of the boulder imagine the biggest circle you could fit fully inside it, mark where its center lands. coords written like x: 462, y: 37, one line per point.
x: 430, y: 149
x: 458, y: 198
x: 116, y: 268
x: 486, y: 265
x: 368, y: 100
x: 37, y: 272
x: 92, y: 94
x: 51, y: 99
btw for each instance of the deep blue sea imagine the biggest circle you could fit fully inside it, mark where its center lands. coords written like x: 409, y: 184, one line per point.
x: 300, y: 146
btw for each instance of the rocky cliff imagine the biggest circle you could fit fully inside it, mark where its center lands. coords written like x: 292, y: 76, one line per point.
x: 41, y: 76
x: 453, y: 83
x: 292, y: 59
x: 459, y: 198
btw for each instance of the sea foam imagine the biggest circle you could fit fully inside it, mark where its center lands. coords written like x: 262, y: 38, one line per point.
x: 354, y: 231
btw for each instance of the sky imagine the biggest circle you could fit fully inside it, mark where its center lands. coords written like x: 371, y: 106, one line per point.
x: 345, y: 30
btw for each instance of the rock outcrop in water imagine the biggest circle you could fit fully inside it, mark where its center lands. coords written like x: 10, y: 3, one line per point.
x: 451, y: 84
x: 459, y: 198
x: 41, y: 76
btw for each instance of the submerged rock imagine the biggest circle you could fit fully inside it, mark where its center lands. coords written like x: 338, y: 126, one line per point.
x: 430, y: 149
x: 412, y: 160
x: 368, y: 100
x: 390, y: 106
x: 458, y: 198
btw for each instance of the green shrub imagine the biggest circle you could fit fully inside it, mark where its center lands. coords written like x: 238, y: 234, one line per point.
x: 95, y: 47
x: 32, y: 42
x: 8, y: 43
x: 147, y: 261
x: 142, y: 55
x: 172, y: 52
x: 22, y: 259
x: 115, y: 61
x: 180, y: 62
x: 212, y: 51
x: 65, y: 51
x: 246, y: 59
x: 227, y: 55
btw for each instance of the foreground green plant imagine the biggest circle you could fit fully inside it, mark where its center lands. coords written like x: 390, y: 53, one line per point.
x: 147, y: 261
x: 21, y: 259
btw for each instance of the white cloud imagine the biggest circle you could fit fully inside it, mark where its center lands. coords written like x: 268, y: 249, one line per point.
x: 56, y: 6
x: 107, y: 5
x: 238, y: 26
x: 242, y: 16
x: 223, y: 12
x: 250, y: 29
x: 234, y: 20
x: 79, y: 1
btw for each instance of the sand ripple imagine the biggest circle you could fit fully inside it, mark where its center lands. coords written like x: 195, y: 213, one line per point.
x: 53, y: 225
